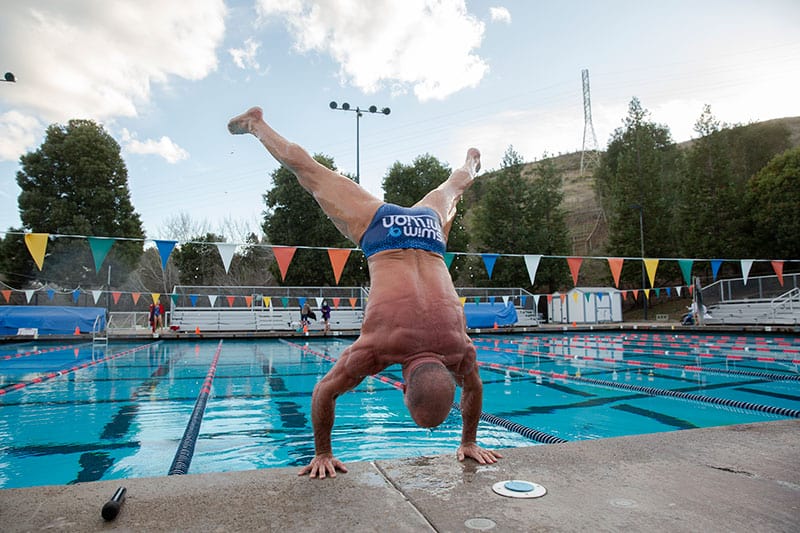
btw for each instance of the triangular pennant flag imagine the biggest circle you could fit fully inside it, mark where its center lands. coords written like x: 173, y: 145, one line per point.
x: 336, y: 303
x: 678, y: 291
x: 338, y: 257
x: 283, y: 255
x: 193, y: 299
x: 212, y: 299
x: 691, y: 290
x: 588, y: 296
x: 491, y: 300
x: 226, y: 251
x: 463, y: 300
x: 624, y: 295
x: 647, y: 293
x: 651, y: 265
x: 96, y: 295
x: 686, y: 270
x: 669, y: 292
x: 600, y: 295
x: 635, y: 294
x: 353, y: 302
x: 505, y: 301
x: 658, y: 292
x: 51, y: 294
x: 29, y: 295
x: 267, y: 301
x: 37, y: 245
x: 75, y: 295
x: 575, y: 296
x: 563, y: 297
x: 164, y: 250
x: 100, y: 247
x: 523, y: 298
x: 746, y: 264
x: 302, y: 301
x: 574, y: 267
x: 6, y: 294
x: 230, y: 300
x: 319, y: 301
x: 248, y: 301
x: 715, y: 264
x: 549, y: 298
x: 532, y: 264
x: 535, y: 301
x: 615, y: 264
x: 448, y: 259
x: 488, y: 261
x: 285, y: 301
x: 777, y: 266
x: 155, y: 296
x: 135, y: 296
x: 174, y: 298
x: 476, y: 299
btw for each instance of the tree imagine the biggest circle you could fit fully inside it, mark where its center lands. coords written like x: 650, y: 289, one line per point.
x: 773, y: 196
x: 76, y: 183
x: 521, y: 214
x: 640, y: 171
x: 293, y: 218
x: 406, y: 185
x: 199, y: 262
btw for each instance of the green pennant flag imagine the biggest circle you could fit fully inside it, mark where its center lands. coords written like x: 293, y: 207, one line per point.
x: 686, y: 269
x: 100, y: 247
x: 448, y: 259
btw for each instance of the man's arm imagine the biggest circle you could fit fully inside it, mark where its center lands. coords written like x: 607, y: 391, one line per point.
x: 471, y: 404
x: 323, y: 407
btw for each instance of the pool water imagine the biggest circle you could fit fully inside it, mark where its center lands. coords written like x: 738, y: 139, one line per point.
x: 69, y: 413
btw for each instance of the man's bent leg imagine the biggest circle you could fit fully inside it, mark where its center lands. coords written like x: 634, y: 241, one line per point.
x: 348, y: 205
x: 444, y: 199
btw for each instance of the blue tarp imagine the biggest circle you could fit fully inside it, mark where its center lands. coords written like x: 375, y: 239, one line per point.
x: 50, y: 319
x: 486, y: 315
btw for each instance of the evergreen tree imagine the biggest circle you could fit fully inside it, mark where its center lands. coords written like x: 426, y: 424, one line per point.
x: 519, y: 214
x: 293, y: 218
x: 76, y: 183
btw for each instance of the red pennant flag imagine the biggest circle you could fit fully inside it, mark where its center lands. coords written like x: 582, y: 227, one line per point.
x: 338, y: 257
x: 574, y: 267
x: 135, y: 296
x: 615, y: 264
x: 336, y: 303
x: 549, y: 298
x: 6, y: 295
x: 635, y: 294
x: 777, y: 266
x: 248, y: 300
x: 230, y: 300
x: 284, y: 255
x: 624, y: 294
x: 115, y: 295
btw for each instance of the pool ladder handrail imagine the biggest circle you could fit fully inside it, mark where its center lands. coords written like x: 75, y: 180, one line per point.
x: 99, y: 335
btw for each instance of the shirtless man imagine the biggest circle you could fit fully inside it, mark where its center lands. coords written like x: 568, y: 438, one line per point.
x: 414, y: 317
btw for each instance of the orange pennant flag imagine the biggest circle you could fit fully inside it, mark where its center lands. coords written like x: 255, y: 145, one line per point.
x: 635, y: 294
x: 135, y: 296
x: 6, y: 295
x: 37, y: 245
x: 574, y: 267
x: 116, y: 295
x: 248, y: 300
x: 283, y: 255
x: 353, y: 302
x: 615, y: 264
x: 230, y: 300
x: 549, y: 298
x: 624, y: 295
x: 777, y: 266
x: 338, y: 257
x: 336, y: 303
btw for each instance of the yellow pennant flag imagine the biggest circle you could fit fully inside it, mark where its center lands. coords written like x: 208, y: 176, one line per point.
x: 155, y: 296
x: 37, y: 244
x: 463, y: 300
x: 651, y: 265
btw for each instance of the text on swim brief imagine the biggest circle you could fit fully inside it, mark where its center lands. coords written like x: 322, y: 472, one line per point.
x: 421, y: 226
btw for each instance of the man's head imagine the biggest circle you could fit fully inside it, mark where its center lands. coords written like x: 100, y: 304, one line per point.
x: 429, y: 391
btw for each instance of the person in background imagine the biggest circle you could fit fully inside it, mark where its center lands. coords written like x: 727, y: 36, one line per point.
x: 414, y: 316
x: 325, y: 310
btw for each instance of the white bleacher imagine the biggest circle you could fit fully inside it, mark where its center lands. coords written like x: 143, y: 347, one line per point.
x: 782, y: 310
x: 255, y: 320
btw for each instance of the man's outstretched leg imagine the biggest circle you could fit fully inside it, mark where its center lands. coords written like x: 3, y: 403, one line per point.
x: 444, y: 199
x: 348, y: 205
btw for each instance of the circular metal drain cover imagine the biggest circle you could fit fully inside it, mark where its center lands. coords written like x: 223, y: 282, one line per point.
x: 481, y: 524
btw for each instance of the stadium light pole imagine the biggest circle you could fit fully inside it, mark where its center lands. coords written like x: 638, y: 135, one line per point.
x: 358, y: 111
x: 9, y: 77
x: 640, y: 208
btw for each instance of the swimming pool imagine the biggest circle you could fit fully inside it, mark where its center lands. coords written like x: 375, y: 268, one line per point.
x: 70, y: 414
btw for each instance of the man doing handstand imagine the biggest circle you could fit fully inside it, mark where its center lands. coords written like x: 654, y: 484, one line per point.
x: 414, y: 317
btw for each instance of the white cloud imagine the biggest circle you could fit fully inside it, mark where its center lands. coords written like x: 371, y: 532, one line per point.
x: 99, y: 60
x: 164, y: 147
x: 426, y: 45
x: 18, y: 134
x: 245, y: 57
x: 500, y: 14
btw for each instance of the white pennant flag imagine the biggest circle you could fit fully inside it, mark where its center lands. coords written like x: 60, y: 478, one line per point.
x: 226, y: 251
x: 319, y: 302
x: 96, y: 295
x: 532, y: 262
x: 746, y: 264
x: 505, y: 301
x: 212, y: 298
x: 29, y: 294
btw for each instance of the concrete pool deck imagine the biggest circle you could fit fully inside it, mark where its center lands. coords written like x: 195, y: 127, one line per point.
x: 731, y: 478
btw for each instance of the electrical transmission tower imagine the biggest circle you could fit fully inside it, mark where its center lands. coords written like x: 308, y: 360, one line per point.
x: 589, y: 154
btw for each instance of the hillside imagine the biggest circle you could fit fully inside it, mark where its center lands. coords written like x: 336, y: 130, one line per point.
x: 585, y: 218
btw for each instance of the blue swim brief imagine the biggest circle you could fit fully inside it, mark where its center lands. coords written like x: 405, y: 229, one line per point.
x: 394, y: 227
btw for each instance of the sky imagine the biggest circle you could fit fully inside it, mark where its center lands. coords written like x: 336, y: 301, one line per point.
x: 164, y: 76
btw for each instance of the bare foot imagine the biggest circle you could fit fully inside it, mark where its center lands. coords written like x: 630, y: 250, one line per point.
x: 473, y: 162
x: 241, y: 124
